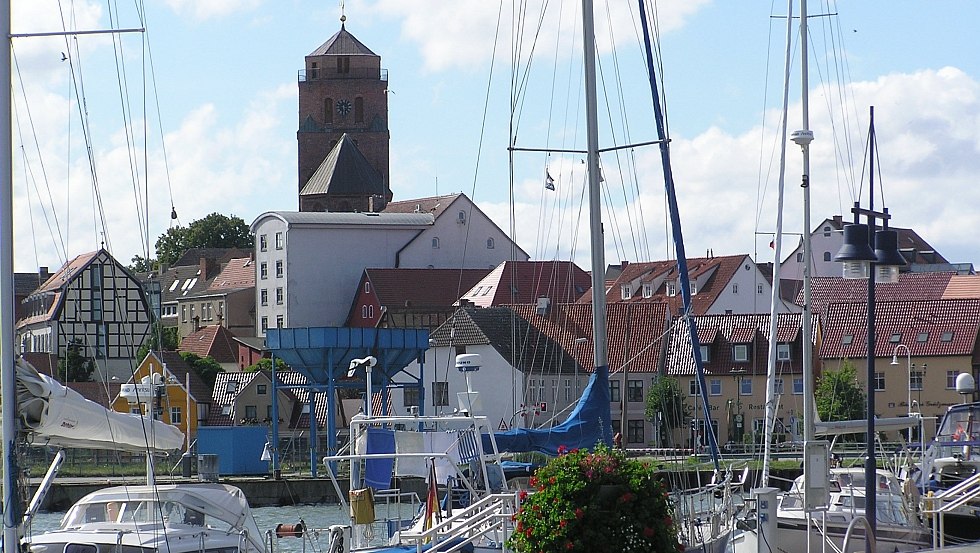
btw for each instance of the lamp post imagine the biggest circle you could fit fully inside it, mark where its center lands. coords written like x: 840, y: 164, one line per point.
x: 908, y: 360
x: 880, y: 264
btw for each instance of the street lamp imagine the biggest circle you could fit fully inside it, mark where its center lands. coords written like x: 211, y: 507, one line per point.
x: 908, y: 360
x: 861, y: 262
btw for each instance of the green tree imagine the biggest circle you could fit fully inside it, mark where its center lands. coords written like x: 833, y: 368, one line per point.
x: 265, y: 364
x: 665, y: 403
x: 205, y: 367
x: 214, y: 231
x: 75, y: 367
x: 140, y: 264
x: 839, y: 396
x: 169, y: 341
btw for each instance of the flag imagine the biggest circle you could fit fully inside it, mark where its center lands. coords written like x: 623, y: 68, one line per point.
x: 772, y: 243
x: 431, y: 500
x: 549, y: 182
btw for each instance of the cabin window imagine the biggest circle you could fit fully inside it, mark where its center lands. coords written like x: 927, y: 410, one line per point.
x: 714, y: 387
x: 705, y: 353
x: 740, y: 352
x: 782, y: 352
x: 879, y: 382
x: 440, y: 394
x: 263, y: 243
x: 614, y: 391
x: 634, y: 391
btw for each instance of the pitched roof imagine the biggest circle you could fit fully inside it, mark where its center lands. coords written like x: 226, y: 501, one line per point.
x: 326, y: 218
x: 730, y: 330
x: 435, y: 205
x: 935, y: 327
x: 962, y: 286
x: 67, y: 272
x: 224, y: 394
x: 516, y: 282
x: 215, y: 341
x: 342, y: 44
x: 193, y: 256
x: 25, y: 283
x: 910, y: 287
x: 238, y: 274
x: 345, y: 172
x: 421, y: 287
x: 180, y: 370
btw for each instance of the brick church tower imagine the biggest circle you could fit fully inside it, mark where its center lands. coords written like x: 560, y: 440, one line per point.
x: 343, y: 128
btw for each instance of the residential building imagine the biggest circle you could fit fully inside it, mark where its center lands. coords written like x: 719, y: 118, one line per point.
x: 517, y: 282
x: 24, y: 284
x: 186, y: 399
x: 93, y: 303
x: 214, y: 341
x: 226, y: 299
x: 735, y: 357
x: 188, y: 276
x: 245, y: 398
x: 409, y: 298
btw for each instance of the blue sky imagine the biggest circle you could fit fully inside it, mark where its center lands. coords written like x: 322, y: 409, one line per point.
x: 226, y: 73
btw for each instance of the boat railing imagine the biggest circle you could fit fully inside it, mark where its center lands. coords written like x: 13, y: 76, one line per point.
x: 489, y: 518
x: 947, y: 501
x: 868, y: 533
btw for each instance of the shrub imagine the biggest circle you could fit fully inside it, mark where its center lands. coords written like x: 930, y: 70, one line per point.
x: 593, y: 502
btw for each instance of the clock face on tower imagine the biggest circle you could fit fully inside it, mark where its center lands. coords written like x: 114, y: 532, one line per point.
x: 343, y: 107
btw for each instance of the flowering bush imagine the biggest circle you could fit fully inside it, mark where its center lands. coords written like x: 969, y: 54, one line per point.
x: 595, y: 502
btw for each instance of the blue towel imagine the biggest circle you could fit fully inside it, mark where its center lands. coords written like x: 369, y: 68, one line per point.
x: 377, y: 472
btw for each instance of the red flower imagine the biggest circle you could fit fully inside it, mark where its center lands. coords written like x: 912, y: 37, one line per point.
x: 563, y: 523
x: 647, y: 532
x: 562, y: 450
x: 552, y: 480
x: 569, y: 545
x: 533, y: 481
x: 579, y: 513
x: 522, y: 495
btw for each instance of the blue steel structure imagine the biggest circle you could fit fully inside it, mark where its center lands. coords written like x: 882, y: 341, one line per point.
x: 323, y: 356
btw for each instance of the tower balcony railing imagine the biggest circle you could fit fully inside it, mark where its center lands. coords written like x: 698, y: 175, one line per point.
x: 329, y: 73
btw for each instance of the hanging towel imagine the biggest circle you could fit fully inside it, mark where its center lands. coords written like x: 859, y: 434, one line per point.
x: 410, y: 442
x: 377, y: 472
x: 444, y: 443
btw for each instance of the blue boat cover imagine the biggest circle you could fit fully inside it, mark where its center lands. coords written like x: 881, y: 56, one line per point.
x: 443, y: 545
x: 589, y: 424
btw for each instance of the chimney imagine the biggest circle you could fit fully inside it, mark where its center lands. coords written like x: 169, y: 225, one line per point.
x: 838, y: 221
x: 203, y: 268
x: 543, y: 306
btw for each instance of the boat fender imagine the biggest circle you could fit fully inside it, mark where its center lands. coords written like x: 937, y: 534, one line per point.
x: 290, y: 530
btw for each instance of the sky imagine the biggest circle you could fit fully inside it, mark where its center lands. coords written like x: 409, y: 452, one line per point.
x: 210, y: 97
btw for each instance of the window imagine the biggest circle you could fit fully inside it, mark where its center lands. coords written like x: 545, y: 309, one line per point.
x: 759, y: 289
x: 265, y: 324
x: 799, y: 257
x: 263, y: 270
x: 647, y: 290
x: 826, y: 256
x: 280, y: 321
x: 782, y: 352
x: 951, y: 380
x: 279, y: 296
x: 435, y: 243
x: 694, y: 288
x: 280, y: 240
x: 440, y: 394
x: 343, y: 64
x: 705, y: 353
x: 798, y: 386
x: 268, y: 413
x: 879, y: 382
x: 625, y: 292
x: 735, y: 288
x: 183, y: 313
x: 740, y: 352
x: 671, y: 289
x: 261, y: 389
x: 634, y: 431
x: 778, y: 387
x: 895, y: 338
x: 490, y: 243
x: 175, y: 417
x: 358, y: 110
x: 328, y: 110
x: 946, y: 337
x: 745, y: 387
x: 846, y: 339
x: 251, y: 412
x: 693, y: 387
x: 263, y: 297
x: 714, y: 387
x: 634, y: 391
x: 364, y: 311
x: 826, y: 231
x: 410, y: 396
x: 263, y: 243
x: 614, y: 392
x: 915, y: 381
x: 922, y: 337
x: 568, y: 389
x: 279, y: 268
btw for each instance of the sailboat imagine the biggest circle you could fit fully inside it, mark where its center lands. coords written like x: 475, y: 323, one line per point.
x: 825, y: 505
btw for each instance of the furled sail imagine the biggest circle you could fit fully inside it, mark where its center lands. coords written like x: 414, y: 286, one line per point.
x: 55, y: 415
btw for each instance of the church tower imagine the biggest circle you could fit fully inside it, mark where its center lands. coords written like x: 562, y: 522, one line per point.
x: 343, y: 91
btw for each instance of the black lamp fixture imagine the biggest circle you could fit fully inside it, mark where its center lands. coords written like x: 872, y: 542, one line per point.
x: 857, y: 257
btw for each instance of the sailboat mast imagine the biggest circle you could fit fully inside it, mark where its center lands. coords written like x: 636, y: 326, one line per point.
x: 595, y: 199
x: 8, y: 432
x: 803, y: 138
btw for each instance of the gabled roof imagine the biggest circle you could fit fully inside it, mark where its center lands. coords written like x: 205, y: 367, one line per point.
x: 345, y: 172
x: 322, y: 405
x: 223, y: 394
x: 67, y: 272
x: 180, y: 370
x: 729, y: 330
x: 25, y: 283
x: 421, y: 287
x: 516, y: 282
x: 342, y: 44
x: 946, y: 327
x: 435, y: 205
x: 910, y: 287
x: 213, y: 341
x: 193, y: 256
x: 238, y: 274
x: 721, y: 270
x: 962, y: 287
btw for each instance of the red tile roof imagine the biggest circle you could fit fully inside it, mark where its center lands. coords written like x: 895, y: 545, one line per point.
x: 434, y: 204
x: 523, y: 282
x: 962, y: 287
x: 238, y: 274
x: 67, y: 272
x: 422, y: 287
x: 213, y: 341
x: 958, y: 321
x: 910, y: 287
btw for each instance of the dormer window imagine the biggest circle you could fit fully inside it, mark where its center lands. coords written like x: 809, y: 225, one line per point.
x: 231, y: 387
x: 740, y: 352
x: 626, y: 292
x: 782, y: 352
x: 946, y: 337
x: 895, y: 338
x: 846, y: 339
x: 647, y: 290
x: 694, y: 288
x: 671, y: 288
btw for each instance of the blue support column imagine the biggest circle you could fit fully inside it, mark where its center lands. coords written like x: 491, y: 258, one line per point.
x: 331, y: 413
x: 276, y: 471
x: 313, y: 436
